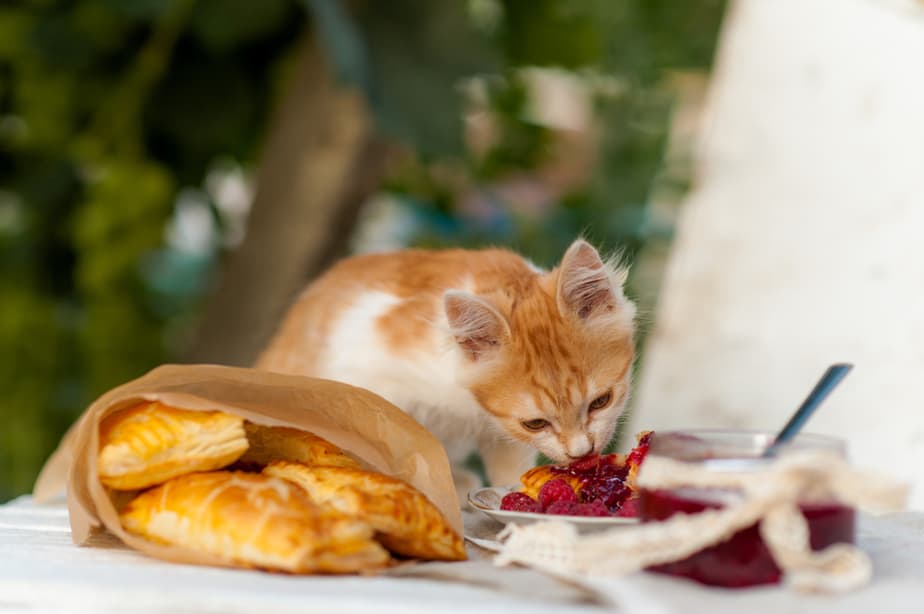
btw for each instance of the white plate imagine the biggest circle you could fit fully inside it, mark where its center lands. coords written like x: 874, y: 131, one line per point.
x: 487, y: 500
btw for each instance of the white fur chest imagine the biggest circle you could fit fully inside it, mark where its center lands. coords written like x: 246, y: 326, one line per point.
x: 423, y: 383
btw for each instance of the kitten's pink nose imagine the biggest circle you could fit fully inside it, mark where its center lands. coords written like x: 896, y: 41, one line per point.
x: 580, y: 449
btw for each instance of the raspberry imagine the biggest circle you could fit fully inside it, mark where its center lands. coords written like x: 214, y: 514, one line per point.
x: 570, y: 508
x: 556, y: 490
x: 629, y: 509
x: 596, y: 509
x: 563, y: 508
x: 519, y: 502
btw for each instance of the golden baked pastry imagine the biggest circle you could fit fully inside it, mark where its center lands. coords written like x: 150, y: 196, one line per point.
x: 269, y: 443
x: 408, y: 524
x: 253, y: 520
x: 150, y: 443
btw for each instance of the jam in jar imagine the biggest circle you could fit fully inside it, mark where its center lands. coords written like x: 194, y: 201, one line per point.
x: 743, y: 559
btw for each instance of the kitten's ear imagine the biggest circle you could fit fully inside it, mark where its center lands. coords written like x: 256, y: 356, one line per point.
x: 479, y: 328
x: 587, y: 285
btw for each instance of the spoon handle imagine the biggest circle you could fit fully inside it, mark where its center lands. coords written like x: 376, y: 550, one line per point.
x: 819, y: 393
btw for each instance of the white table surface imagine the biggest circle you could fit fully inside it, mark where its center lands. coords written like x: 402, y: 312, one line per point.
x: 41, y: 570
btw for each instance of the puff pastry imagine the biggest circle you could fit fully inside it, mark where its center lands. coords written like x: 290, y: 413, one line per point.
x: 269, y: 443
x: 253, y: 520
x: 408, y: 524
x: 151, y: 443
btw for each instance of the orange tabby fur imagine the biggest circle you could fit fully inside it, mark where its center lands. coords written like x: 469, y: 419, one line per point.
x: 456, y: 336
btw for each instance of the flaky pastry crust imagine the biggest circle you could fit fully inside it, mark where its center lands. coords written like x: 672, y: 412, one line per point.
x: 270, y: 443
x: 253, y: 520
x: 407, y: 522
x: 152, y: 443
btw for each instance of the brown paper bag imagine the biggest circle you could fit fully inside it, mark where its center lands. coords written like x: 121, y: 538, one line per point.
x: 360, y: 422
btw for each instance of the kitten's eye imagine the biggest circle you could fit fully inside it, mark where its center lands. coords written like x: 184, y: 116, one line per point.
x: 534, y: 425
x: 601, y: 401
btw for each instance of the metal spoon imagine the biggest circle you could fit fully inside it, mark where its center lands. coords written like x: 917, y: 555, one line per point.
x: 819, y: 393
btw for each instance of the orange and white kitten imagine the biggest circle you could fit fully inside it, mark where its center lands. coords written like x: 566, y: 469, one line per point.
x: 481, y: 347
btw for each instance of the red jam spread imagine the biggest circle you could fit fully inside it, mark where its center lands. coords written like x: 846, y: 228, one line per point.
x: 742, y: 560
x: 591, y: 486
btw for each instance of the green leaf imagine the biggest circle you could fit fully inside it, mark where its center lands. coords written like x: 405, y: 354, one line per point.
x: 185, y: 122
x: 15, y: 26
x: 419, y: 53
x: 553, y: 33
x: 224, y: 24
x: 147, y: 10
x: 30, y: 340
x: 122, y: 218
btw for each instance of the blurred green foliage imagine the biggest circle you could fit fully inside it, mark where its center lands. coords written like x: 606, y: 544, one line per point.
x: 107, y: 108
x: 110, y: 110
x: 630, y: 47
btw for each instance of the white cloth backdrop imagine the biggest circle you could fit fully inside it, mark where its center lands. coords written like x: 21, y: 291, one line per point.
x: 803, y: 242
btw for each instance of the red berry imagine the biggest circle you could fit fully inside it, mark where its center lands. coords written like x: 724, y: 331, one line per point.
x: 519, y: 502
x: 563, y: 508
x: 629, y: 509
x: 556, y: 490
x: 596, y: 509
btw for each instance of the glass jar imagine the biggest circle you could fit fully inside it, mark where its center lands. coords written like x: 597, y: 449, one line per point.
x: 743, y: 559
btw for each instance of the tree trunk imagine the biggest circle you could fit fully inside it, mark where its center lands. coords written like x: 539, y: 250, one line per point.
x: 321, y: 161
